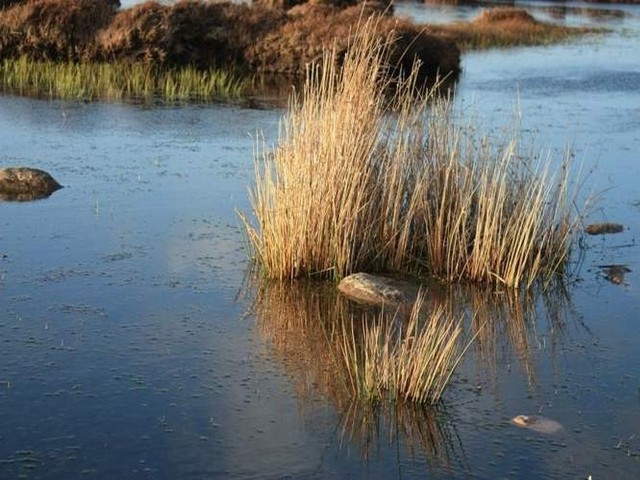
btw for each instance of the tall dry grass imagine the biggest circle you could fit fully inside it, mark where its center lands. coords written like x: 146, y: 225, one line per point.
x: 371, y: 357
x: 408, y: 361
x: 373, y: 176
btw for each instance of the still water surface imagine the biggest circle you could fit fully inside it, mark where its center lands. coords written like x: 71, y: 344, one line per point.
x: 127, y: 350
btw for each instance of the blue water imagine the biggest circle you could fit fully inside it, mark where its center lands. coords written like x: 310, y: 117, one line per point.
x: 129, y: 349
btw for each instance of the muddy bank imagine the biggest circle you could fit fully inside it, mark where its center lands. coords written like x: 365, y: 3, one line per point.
x: 254, y: 38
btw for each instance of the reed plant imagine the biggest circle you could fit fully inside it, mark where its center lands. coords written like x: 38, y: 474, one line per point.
x: 372, y: 175
x: 353, y: 355
x: 116, y: 81
x: 410, y: 360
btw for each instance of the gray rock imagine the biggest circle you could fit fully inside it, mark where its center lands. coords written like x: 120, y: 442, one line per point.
x: 378, y: 290
x: 23, y: 183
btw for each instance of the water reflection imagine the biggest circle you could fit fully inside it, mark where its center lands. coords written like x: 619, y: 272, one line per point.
x: 507, y: 326
x: 23, y: 196
x: 304, y: 324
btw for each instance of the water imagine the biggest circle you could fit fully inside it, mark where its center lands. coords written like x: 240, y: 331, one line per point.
x: 127, y: 351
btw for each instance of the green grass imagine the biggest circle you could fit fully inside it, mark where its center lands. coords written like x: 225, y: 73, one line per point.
x: 117, y: 81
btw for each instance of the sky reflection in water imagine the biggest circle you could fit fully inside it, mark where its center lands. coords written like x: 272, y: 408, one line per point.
x: 126, y: 351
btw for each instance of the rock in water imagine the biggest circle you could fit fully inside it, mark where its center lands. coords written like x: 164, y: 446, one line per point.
x: 537, y: 424
x: 378, y: 290
x: 23, y: 183
x: 604, y: 228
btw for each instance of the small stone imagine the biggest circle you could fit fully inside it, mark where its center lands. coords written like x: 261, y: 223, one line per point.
x: 378, y: 290
x: 615, y: 273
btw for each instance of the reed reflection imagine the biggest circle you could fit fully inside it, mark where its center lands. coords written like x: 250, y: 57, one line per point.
x: 509, y: 325
x: 308, y: 323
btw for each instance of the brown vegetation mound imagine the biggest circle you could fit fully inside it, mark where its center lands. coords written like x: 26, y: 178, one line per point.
x: 505, y: 27
x: 185, y: 33
x: 504, y: 14
x: 53, y: 29
x: 312, y: 28
x: 206, y: 34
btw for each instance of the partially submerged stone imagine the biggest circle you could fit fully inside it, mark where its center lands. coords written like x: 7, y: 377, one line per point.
x: 23, y: 183
x: 602, y: 228
x: 378, y: 290
x: 615, y: 273
x: 537, y: 424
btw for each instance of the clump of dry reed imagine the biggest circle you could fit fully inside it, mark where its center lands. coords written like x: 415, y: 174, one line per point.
x: 351, y: 355
x: 351, y: 187
x: 409, y: 362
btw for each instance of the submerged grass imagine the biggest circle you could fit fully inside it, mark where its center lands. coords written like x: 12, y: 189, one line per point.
x: 363, y: 182
x: 354, y: 355
x: 115, y: 81
x: 410, y: 361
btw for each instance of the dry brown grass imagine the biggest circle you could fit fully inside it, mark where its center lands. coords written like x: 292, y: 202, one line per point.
x: 506, y: 27
x: 186, y: 33
x: 351, y: 188
x: 311, y: 29
x: 410, y: 360
x: 303, y: 325
x: 53, y: 29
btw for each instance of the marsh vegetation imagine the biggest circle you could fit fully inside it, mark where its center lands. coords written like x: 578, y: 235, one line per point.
x: 503, y: 27
x: 122, y: 325
x: 358, y: 182
x: 197, y: 50
x: 118, y: 81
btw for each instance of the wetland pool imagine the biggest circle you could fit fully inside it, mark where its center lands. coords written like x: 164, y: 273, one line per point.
x: 129, y: 347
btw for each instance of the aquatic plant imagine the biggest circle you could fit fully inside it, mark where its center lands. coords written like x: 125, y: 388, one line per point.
x: 410, y: 361
x: 372, y: 357
x: 363, y: 182
x: 119, y: 80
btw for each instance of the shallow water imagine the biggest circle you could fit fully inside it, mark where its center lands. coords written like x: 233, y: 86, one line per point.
x: 127, y: 351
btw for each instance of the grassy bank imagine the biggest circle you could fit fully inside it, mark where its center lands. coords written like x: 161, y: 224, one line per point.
x: 115, y: 81
x: 351, y: 187
x: 506, y: 27
x: 247, y: 37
